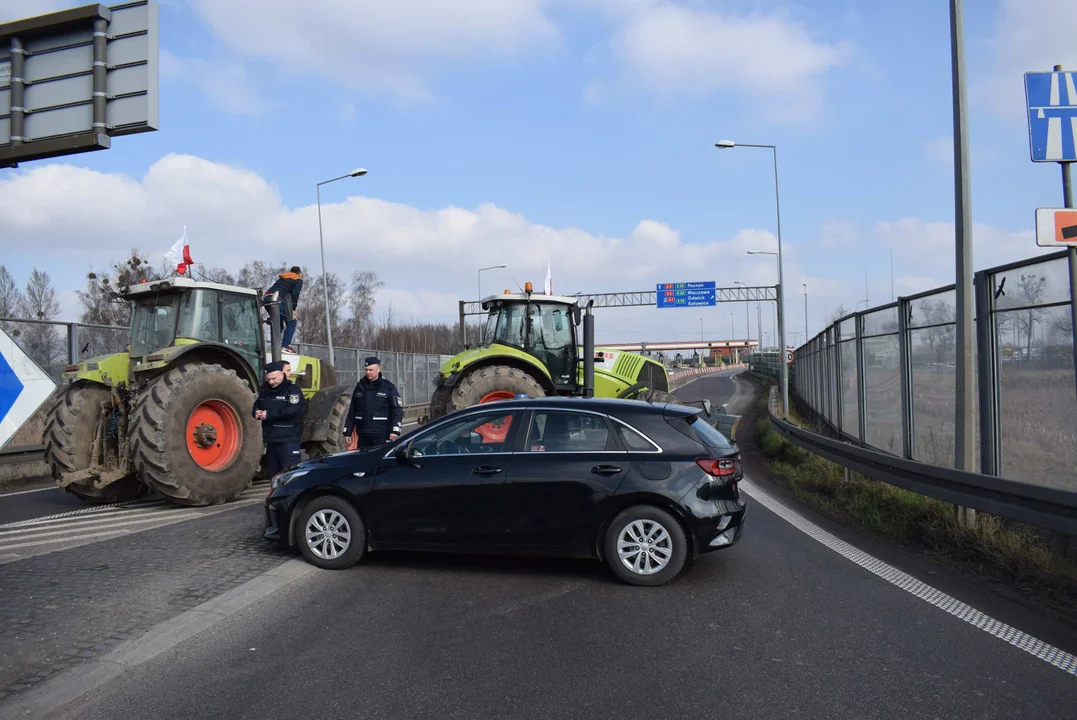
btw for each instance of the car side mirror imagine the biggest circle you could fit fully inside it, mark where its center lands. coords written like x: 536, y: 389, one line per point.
x: 707, y: 407
x: 404, y: 453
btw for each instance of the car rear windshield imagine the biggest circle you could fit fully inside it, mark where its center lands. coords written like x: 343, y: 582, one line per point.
x: 697, y: 428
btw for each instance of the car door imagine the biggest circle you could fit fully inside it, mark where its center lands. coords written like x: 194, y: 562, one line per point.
x: 443, y: 495
x: 570, y: 462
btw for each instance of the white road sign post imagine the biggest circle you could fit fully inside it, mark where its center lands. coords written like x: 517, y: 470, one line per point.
x: 23, y: 387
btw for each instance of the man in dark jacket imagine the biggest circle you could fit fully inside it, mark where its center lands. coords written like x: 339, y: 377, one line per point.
x: 376, y: 413
x: 280, y: 408
x: 287, y: 286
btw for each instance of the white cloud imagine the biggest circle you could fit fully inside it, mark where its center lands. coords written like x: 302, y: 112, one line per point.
x: 226, y: 84
x: 837, y: 234
x: 427, y: 258
x: 377, y: 45
x: 669, y: 49
x: 1029, y: 35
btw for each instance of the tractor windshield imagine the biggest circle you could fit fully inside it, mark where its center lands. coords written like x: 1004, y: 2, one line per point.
x: 541, y: 329
x: 153, y: 324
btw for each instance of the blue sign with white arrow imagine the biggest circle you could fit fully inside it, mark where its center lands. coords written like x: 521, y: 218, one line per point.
x: 23, y: 387
x: 1051, y: 100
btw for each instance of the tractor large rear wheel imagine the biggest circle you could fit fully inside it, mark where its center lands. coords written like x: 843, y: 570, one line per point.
x: 492, y: 383
x: 193, y: 438
x: 335, y: 441
x: 70, y: 427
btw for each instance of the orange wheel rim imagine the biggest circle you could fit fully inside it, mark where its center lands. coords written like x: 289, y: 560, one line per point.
x: 497, y: 395
x: 213, y: 435
x: 497, y: 430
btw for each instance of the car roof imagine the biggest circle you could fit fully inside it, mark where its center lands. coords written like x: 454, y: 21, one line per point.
x: 611, y: 406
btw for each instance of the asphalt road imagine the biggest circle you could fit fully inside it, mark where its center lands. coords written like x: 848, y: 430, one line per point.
x: 779, y: 626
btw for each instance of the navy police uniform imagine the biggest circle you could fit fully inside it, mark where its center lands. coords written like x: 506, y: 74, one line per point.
x: 282, y: 429
x: 376, y: 410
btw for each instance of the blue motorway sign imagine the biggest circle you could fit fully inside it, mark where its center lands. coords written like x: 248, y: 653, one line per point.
x: 1051, y: 100
x: 688, y: 294
x: 23, y: 387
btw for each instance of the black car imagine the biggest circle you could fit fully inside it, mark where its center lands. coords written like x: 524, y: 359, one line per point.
x: 642, y: 486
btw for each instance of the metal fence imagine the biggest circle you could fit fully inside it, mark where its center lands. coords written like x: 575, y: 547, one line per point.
x: 412, y: 373
x: 54, y: 345
x: 885, y: 378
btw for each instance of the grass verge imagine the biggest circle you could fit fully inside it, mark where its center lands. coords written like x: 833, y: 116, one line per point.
x: 1009, y: 553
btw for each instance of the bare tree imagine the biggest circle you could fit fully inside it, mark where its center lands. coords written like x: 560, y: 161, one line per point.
x: 361, y: 302
x: 46, y: 344
x: 215, y: 274
x: 10, y: 295
x: 310, y: 314
x: 1031, y: 289
x: 838, y: 313
x: 100, y: 303
x: 942, y: 337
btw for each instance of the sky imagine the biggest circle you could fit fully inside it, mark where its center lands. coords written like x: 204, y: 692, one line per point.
x: 578, y: 133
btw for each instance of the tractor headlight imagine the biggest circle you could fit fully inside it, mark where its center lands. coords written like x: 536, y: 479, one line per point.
x: 282, y: 479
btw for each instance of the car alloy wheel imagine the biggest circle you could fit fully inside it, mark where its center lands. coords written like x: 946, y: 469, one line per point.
x: 328, y: 534
x: 645, y: 547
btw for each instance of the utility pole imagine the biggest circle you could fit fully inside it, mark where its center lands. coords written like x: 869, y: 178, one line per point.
x: 805, y: 311
x: 965, y: 426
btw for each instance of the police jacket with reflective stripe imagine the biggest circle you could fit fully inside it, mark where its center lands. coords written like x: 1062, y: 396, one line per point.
x: 284, y: 412
x: 376, y: 408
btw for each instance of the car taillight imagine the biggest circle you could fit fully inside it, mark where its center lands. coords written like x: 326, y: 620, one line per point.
x: 718, y: 467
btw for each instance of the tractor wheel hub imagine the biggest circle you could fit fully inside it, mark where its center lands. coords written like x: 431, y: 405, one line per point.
x: 205, y: 435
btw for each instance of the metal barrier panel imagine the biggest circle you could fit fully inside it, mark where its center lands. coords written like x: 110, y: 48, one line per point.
x: 850, y: 394
x: 97, y: 340
x: 1037, y: 406
x: 882, y: 381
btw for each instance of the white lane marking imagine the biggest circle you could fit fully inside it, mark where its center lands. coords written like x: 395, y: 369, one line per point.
x: 84, y: 521
x: 719, y: 374
x: 27, y: 492
x: 122, y: 507
x: 1048, y: 653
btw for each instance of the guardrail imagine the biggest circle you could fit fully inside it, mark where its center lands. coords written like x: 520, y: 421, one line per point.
x: 679, y: 375
x: 1041, y: 506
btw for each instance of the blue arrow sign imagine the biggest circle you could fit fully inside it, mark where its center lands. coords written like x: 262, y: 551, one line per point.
x: 1051, y: 101
x: 690, y: 294
x: 23, y: 387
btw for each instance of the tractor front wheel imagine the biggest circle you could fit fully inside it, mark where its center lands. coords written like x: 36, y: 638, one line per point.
x: 492, y: 383
x: 335, y: 441
x: 70, y: 428
x: 193, y: 438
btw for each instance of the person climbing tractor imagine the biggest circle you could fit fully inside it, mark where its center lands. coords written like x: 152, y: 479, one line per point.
x: 377, y: 412
x: 286, y: 290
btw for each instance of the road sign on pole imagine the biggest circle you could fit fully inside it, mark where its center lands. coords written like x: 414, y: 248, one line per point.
x: 691, y: 294
x: 788, y: 356
x: 1056, y: 227
x: 23, y: 387
x: 1051, y: 101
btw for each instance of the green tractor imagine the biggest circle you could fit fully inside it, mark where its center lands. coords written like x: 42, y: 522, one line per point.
x: 173, y: 413
x: 530, y: 347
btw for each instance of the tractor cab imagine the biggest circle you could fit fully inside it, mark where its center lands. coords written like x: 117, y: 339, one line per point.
x: 543, y: 326
x: 180, y: 311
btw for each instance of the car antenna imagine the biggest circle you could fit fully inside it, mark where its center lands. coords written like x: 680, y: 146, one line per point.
x: 517, y: 282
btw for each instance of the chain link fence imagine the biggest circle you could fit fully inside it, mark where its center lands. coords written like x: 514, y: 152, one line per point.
x: 886, y: 377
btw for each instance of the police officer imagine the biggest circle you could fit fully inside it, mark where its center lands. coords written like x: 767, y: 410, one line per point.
x: 376, y: 412
x: 280, y: 408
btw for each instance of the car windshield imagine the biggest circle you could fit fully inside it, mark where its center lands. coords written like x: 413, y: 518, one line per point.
x: 695, y: 427
x: 153, y: 324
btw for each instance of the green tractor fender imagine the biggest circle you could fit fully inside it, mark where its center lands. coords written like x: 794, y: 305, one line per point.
x: 200, y: 352
x: 470, y: 360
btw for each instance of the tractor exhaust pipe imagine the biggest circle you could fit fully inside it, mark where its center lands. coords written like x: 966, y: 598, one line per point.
x: 274, y: 329
x: 589, y: 351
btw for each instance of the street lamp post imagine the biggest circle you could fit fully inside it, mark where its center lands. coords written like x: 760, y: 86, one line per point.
x: 725, y: 144
x: 478, y: 288
x: 358, y: 172
x: 805, y: 311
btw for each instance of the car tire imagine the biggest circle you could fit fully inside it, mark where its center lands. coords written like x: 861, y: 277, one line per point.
x: 335, y: 516
x: 670, y: 546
